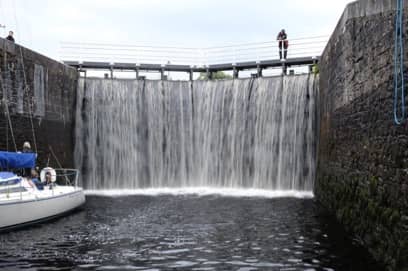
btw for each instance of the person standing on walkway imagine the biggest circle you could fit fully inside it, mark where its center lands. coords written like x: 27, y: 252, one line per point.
x: 283, y: 44
x: 10, y: 36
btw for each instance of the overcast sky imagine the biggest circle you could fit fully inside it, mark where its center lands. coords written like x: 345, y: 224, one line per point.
x: 43, y: 24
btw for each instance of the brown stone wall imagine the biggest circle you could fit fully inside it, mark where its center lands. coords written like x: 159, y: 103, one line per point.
x: 34, y: 85
x: 363, y: 156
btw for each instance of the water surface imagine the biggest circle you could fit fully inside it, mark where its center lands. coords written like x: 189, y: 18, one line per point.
x: 185, y: 232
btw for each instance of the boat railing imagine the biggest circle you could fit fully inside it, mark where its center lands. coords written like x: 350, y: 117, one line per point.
x: 15, y: 190
x: 7, y: 189
x: 67, y: 176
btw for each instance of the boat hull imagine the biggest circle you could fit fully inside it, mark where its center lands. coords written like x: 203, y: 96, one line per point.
x: 20, y: 213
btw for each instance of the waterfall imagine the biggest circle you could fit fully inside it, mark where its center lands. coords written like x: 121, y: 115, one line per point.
x: 247, y: 133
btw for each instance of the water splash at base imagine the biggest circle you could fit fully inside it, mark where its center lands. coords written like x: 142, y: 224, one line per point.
x: 202, y: 191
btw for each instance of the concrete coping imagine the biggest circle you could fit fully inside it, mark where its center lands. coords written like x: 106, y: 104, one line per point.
x: 16, y: 49
x: 8, y: 46
x: 362, y: 8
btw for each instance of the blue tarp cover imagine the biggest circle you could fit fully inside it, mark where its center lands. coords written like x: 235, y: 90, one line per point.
x: 4, y: 175
x: 10, y: 160
x: 8, y: 178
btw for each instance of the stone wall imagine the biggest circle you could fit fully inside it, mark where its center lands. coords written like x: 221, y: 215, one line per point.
x: 39, y: 93
x: 363, y: 156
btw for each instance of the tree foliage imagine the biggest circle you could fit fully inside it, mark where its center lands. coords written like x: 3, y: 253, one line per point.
x: 215, y: 76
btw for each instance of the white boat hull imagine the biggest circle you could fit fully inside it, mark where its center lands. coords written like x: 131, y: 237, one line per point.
x: 15, y: 213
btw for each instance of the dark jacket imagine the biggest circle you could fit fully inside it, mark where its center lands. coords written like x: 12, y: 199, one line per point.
x: 282, y: 36
x: 10, y: 38
x: 283, y: 40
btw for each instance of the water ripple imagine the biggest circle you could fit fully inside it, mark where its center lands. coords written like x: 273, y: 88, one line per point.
x: 186, y: 232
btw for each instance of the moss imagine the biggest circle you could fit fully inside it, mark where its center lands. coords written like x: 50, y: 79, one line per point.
x: 373, y: 185
x: 361, y: 205
x: 371, y: 208
x: 386, y: 216
x: 403, y: 254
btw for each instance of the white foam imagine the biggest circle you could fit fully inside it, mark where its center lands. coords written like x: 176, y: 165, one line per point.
x: 203, y: 191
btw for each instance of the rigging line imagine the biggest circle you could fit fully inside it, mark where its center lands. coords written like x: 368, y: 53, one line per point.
x: 58, y: 162
x: 55, y: 157
x: 11, y: 126
x: 7, y: 139
x: 26, y: 88
x: 8, y: 115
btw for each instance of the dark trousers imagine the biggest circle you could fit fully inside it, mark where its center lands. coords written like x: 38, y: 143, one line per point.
x: 283, y: 46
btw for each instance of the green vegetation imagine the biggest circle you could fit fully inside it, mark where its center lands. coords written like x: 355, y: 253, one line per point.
x: 215, y: 76
x: 315, y: 69
x: 365, y: 209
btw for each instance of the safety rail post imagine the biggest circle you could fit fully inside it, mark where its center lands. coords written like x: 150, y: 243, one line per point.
x: 137, y: 70
x: 162, y: 76
x: 111, y: 71
x: 191, y: 75
x: 284, y: 67
x: 258, y: 70
x: 76, y: 178
x: 312, y: 67
x: 51, y: 185
x: 235, y: 71
x: 209, y: 74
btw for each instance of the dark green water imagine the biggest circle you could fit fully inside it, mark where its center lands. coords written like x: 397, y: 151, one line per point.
x: 185, y: 232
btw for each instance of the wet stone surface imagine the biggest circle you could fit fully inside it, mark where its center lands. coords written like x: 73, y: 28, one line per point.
x: 185, y: 233
x: 362, y: 174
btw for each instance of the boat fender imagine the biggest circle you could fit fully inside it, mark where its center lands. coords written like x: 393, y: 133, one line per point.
x: 50, y: 170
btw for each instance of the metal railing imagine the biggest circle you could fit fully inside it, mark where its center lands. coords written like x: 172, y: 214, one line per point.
x: 14, y: 187
x: 69, y: 177
x: 14, y: 191
x: 145, y: 54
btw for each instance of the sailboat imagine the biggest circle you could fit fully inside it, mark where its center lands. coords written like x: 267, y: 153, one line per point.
x: 24, y: 201
x: 27, y: 200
